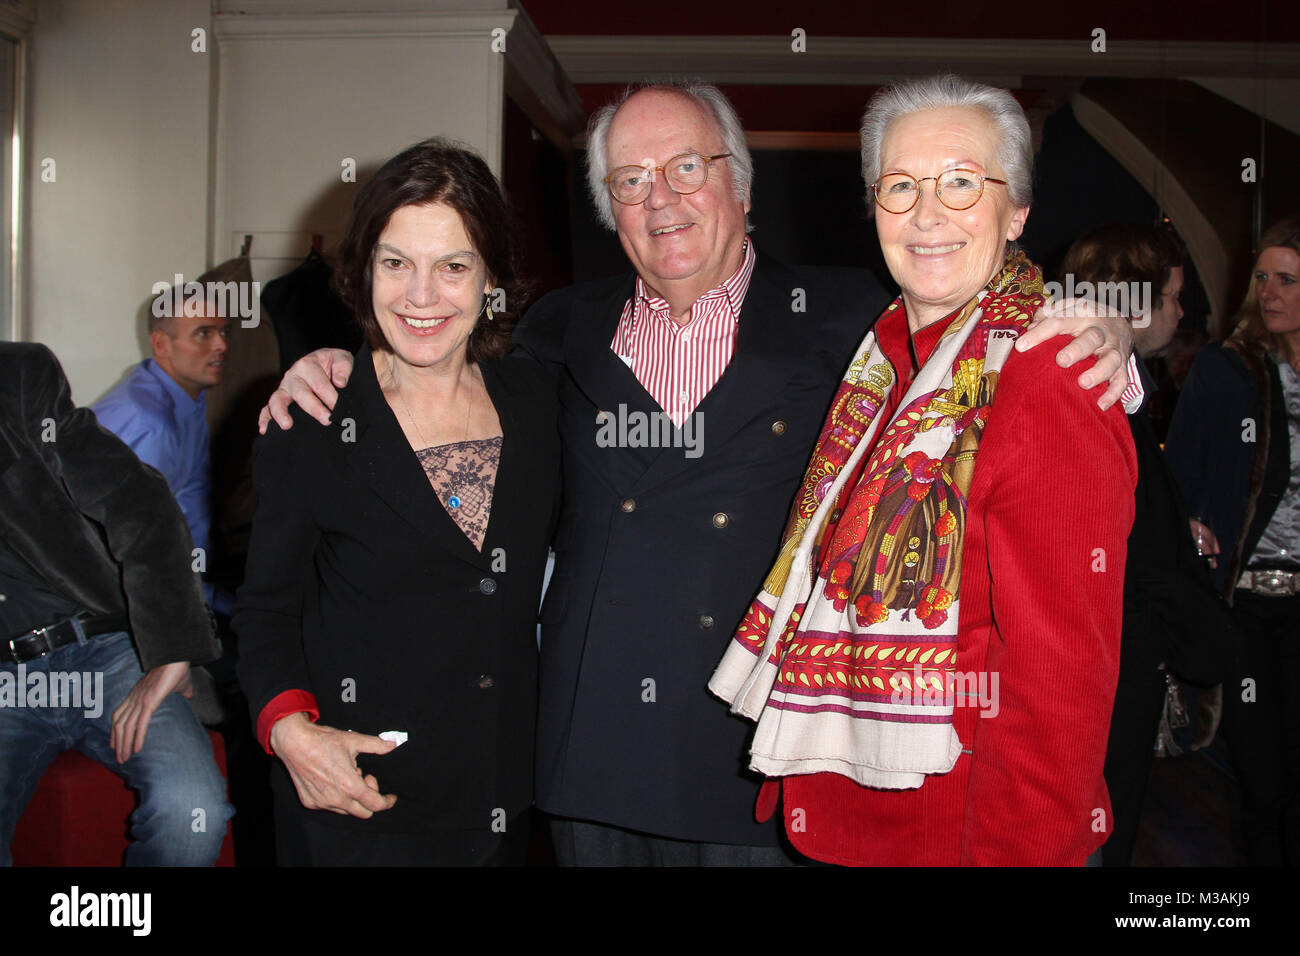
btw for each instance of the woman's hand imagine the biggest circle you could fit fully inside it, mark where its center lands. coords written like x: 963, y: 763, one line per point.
x: 1207, y: 545
x: 310, y: 382
x: 323, y: 764
x: 1097, y: 331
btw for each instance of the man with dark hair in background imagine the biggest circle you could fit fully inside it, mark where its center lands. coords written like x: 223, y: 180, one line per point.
x: 1174, y: 622
x: 160, y: 411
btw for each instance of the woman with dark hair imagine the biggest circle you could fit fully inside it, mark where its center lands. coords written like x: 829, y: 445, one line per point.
x: 387, y: 618
x: 1173, y: 620
x: 1234, y: 446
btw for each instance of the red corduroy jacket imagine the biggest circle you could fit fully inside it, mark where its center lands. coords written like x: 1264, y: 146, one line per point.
x: 1041, y: 605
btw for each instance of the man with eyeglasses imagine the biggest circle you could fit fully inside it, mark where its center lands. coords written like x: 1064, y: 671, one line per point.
x: 658, y: 553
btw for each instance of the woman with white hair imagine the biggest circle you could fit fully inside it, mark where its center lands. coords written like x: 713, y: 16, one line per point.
x: 932, y: 660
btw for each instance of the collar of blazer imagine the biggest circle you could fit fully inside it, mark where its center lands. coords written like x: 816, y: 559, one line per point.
x: 8, y: 455
x: 771, y: 340
x: 372, y: 443
x: 16, y: 398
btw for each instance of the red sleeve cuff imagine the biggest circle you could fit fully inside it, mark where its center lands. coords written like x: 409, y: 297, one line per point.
x: 282, y: 705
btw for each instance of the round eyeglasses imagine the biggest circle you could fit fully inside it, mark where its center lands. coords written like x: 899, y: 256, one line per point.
x: 684, y: 173
x: 957, y: 189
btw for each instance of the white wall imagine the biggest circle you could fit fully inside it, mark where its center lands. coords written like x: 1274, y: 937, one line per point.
x: 165, y: 157
x: 295, y: 103
x: 120, y: 104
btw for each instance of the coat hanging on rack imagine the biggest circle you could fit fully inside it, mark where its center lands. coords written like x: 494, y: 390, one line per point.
x: 305, y: 311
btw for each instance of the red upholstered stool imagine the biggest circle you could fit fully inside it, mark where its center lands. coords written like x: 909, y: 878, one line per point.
x: 79, y: 815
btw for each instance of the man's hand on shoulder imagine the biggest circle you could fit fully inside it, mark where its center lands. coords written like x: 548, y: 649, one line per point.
x: 131, y: 719
x: 312, y: 383
x: 1096, y: 331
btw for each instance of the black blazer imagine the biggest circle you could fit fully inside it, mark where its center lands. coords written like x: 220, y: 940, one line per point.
x: 1231, y: 484
x: 1172, y: 612
x: 100, y: 526
x: 362, y: 590
x: 658, y: 555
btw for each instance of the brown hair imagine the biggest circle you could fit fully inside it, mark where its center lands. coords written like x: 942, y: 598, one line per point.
x: 434, y: 171
x: 1250, y: 330
x: 1126, y: 252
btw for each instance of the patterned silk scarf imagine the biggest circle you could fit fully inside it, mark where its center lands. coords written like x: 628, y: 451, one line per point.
x: 848, y: 656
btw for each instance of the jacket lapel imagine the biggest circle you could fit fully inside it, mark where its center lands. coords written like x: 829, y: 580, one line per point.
x: 601, y: 375
x: 769, y: 343
x: 510, y: 483
x: 384, y: 461
x: 8, y: 454
x: 608, y: 384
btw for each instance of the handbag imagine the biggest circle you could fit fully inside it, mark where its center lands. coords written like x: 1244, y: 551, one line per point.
x: 1190, y: 718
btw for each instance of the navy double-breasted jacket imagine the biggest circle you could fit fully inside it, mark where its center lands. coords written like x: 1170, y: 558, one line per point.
x: 660, y: 551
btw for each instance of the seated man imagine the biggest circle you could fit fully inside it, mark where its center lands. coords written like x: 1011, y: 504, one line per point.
x: 101, y: 616
x: 160, y: 411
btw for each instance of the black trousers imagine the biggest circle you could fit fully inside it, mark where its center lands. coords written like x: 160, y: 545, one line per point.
x: 1130, y: 751
x: 313, y: 838
x: 580, y: 843
x: 1261, y: 722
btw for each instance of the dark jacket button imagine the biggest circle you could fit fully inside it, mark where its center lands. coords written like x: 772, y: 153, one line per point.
x: 488, y: 586
x: 721, y: 520
x: 706, y: 621
x: 628, y: 505
x: 778, y: 428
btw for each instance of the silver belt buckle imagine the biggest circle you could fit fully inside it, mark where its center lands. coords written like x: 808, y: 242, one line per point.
x: 1278, y: 583
x: 41, y: 632
x: 1270, y: 583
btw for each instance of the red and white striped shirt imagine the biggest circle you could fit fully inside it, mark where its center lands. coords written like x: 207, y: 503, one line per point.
x: 1133, y: 395
x: 679, y: 364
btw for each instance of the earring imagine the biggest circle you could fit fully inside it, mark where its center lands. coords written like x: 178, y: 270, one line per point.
x: 487, y: 309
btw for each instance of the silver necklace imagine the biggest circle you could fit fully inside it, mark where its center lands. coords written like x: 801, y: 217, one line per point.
x: 453, y: 500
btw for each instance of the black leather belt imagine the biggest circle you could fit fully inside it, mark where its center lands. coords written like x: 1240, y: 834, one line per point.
x: 40, y: 641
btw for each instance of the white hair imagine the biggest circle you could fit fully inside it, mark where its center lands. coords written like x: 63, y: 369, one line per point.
x: 1015, y: 145
x: 705, y: 95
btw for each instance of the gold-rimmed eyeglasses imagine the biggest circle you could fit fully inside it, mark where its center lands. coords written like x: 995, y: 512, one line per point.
x: 684, y: 173
x: 957, y: 189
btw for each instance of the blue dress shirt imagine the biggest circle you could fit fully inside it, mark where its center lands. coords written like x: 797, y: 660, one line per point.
x: 168, y: 430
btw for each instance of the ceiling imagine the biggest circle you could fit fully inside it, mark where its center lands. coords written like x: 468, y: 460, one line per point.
x: 1252, y: 21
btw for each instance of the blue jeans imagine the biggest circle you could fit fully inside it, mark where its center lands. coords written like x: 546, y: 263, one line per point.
x: 181, y: 819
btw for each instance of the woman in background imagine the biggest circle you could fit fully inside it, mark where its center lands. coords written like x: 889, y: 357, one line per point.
x: 387, y: 618
x: 1234, y: 446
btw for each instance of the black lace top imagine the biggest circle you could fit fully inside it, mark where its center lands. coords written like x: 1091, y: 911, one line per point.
x: 463, y: 475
